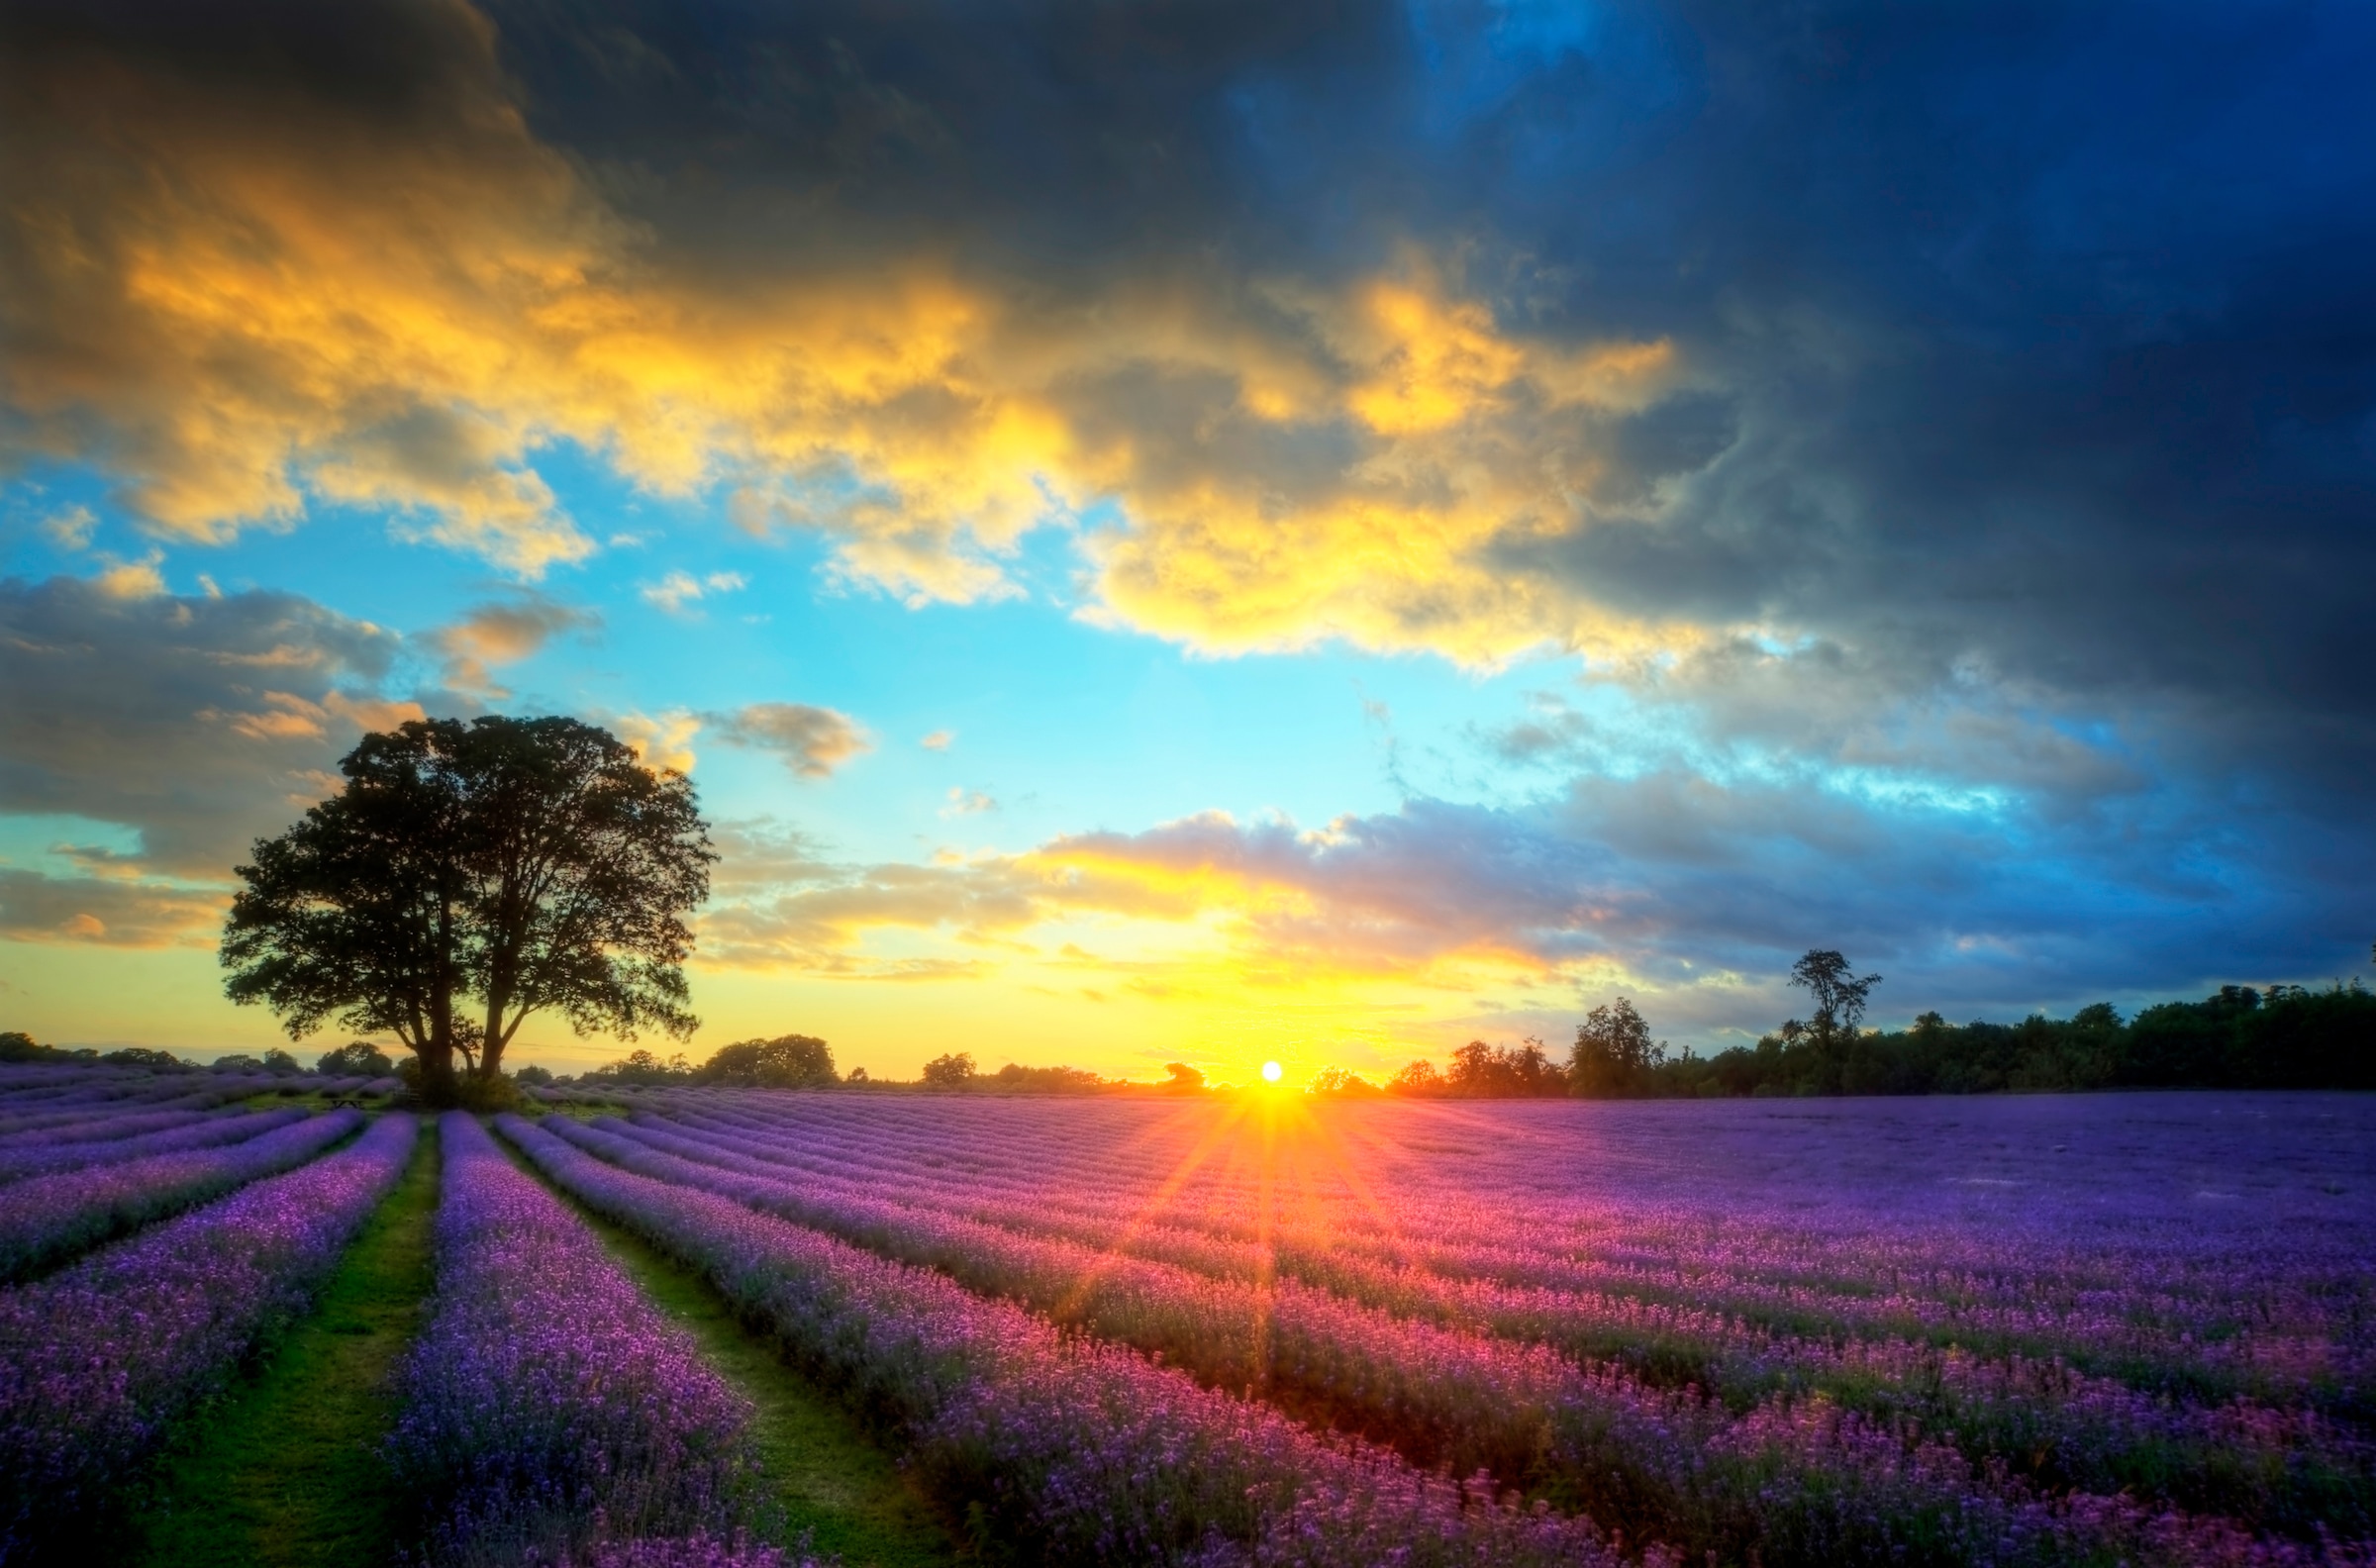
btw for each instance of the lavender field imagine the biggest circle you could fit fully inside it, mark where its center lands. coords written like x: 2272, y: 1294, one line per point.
x: 1258, y: 1329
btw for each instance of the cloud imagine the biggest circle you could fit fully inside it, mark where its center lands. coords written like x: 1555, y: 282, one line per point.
x: 345, y: 270
x: 120, y: 579
x: 70, y: 530
x: 678, y: 589
x: 1690, y: 894
x: 665, y: 742
x: 1891, y: 459
x: 1339, y: 331
x: 106, y: 912
x: 812, y: 741
x: 503, y: 632
x: 938, y: 740
x: 200, y: 722
x: 968, y: 803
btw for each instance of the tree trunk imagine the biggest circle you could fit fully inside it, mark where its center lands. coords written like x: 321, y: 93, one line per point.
x: 439, y: 1088
x: 490, y: 1050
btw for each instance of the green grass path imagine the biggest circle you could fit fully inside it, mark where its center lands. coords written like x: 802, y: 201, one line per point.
x: 832, y: 1480
x: 286, y: 1472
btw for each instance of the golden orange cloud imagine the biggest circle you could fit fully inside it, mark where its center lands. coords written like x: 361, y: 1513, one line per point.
x: 243, y: 305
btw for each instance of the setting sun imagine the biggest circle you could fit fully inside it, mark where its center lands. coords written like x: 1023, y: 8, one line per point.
x: 1271, y: 1072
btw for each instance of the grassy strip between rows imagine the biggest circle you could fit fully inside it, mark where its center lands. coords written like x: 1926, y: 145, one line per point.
x: 833, y: 1481
x: 287, y: 1470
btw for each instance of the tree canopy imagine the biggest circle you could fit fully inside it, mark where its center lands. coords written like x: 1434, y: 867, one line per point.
x: 469, y: 876
x: 789, y: 1062
x: 1614, y: 1053
x: 953, y: 1070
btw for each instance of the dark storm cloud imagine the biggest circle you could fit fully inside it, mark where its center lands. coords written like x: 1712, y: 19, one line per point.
x: 2036, y: 334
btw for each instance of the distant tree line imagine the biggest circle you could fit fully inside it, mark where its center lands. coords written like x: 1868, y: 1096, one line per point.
x: 2282, y: 1037
x: 359, y: 1059
x: 802, y: 1061
x: 788, y: 1061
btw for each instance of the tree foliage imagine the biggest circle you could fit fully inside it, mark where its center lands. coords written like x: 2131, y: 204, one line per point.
x: 1015, y: 1078
x: 469, y: 876
x: 354, y: 1059
x: 1840, y: 994
x: 1524, y: 1071
x: 789, y: 1062
x: 642, y: 1069
x: 951, y: 1071
x: 2238, y: 1038
x: 1614, y: 1053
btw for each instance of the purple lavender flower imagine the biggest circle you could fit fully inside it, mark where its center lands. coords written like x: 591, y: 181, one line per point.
x: 98, y: 1360
x: 548, y: 1406
x: 200, y: 1131
x: 50, y: 1217
x: 1074, y: 1449
x: 1840, y: 1410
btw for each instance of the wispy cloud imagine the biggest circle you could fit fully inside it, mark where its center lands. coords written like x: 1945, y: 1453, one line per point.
x: 502, y: 631
x: 812, y: 742
x: 70, y: 529
x: 680, y: 589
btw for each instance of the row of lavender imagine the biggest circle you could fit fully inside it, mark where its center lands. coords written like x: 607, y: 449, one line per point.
x: 2285, y: 1292
x: 100, y: 1359
x: 52, y: 1217
x: 91, y: 1156
x: 2267, y: 1310
x: 550, y: 1413
x: 1065, y: 1448
x: 35, y: 1099
x: 1792, y: 1474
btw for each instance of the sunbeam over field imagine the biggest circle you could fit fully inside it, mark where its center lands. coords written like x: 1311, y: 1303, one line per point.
x: 2124, y: 1329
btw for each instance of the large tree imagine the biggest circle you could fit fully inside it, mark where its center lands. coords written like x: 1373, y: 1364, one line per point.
x: 468, y: 876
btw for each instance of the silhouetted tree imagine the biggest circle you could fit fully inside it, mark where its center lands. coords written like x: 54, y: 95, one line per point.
x: 143, y: 1057
x: 643, y: 1069
x: 356, y: 1060
x: 1418, y: 1079
x: 1839, y: 995
x: 1481, y: 1072
x: 953, y: 1071
x: 1183, y: 1079
x: 1342, y: 1082
x: 520, y: 864
x: 789, y: 1062
x: 1016, y: 1078
x: 1614, y: 1053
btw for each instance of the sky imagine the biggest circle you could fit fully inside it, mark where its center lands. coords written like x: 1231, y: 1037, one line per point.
x: 1214, y: 531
